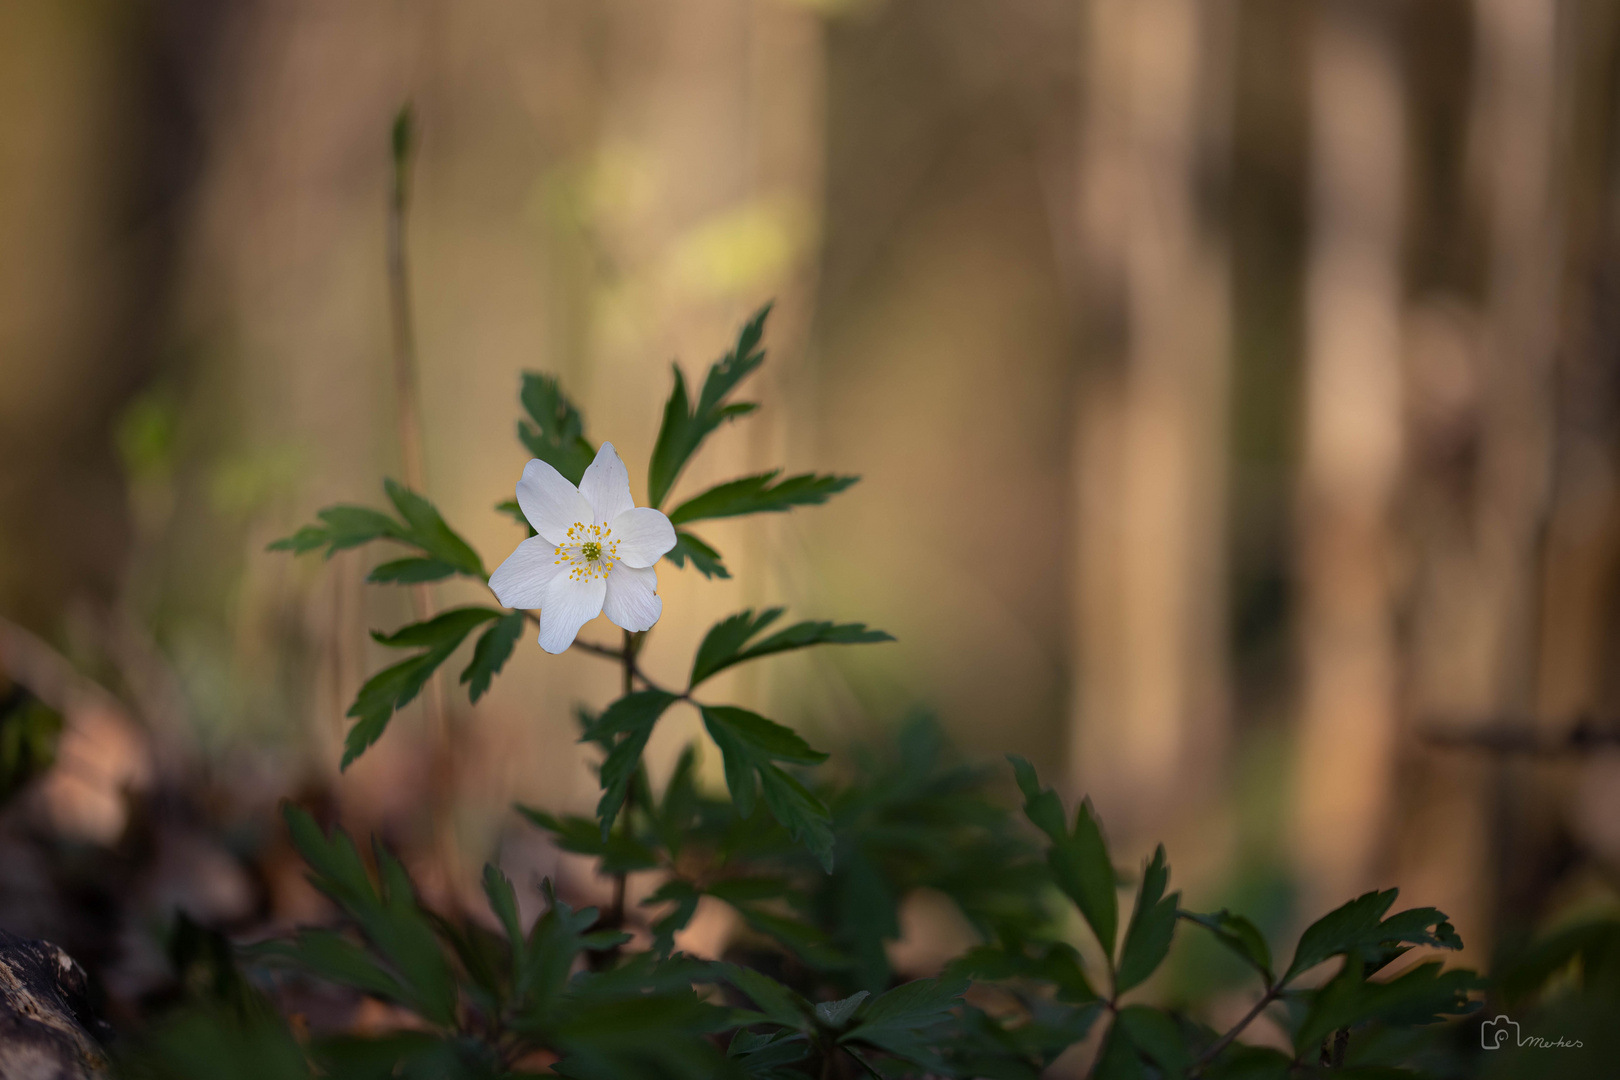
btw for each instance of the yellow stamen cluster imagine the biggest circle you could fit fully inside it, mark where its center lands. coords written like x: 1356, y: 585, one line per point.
x: 589, y: 551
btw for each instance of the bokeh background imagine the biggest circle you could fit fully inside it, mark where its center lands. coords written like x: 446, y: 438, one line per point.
x: 1236, y: 387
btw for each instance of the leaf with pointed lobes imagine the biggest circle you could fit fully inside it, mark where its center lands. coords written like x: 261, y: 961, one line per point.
x: 758, y: 495
x: 686, y: 425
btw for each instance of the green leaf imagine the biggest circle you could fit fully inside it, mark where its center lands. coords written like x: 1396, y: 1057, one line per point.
x: 758, y: 495
x: 686, y: 426
x: 618, y: 853
x: 411, y: 571
x: 387, y: 913
x: 685, y: 896
x: 1153, y: 924
x: 503, y: 902
x: 1157, y: 1036
x: 491, y: 653
x: 777, y: 1002
x: 632, y: 716
x: 430, y: 533
x: 1083, y: 870
x: 749, y: 744
x: 1359, y: 928
x: 342, y: 527
x: 905, y: 1021
x: 834, y: 1014
x: 704, y: 558
x: 1240, y: 936
x: 512, y: 510
x: 450, y: 627
x: 392, y: 688
x: 1041, y: 805
x: 726, y: 643
x: 329, y: 955
x: 554, y: 430
x: 1423, y: 994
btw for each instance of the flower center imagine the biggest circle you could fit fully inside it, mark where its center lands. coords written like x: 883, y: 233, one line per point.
x: 589, y: 551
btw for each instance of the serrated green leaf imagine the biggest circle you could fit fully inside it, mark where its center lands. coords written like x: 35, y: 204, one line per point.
x: 749, y: 744
x: 1082, y: 869
x: 758, y: 495
x: 1423, y: 994
x: 329, y: 955
x: 1358, y: 928
x: 1157, y: 1036
x: 726, y: 643
x: 632, y: 717
x: 704, y: 558
x: 387, y: 913
x: 503, y: 903
x: 834, y: 1014
x: 905, y: 1021
x: 430, y: 533
x: 781, y: 1004
x: 341, y: 527
x: 618, y: 853
x: 1041, y: 805
x: 1240, y: 936
x: 494, y: 648
x: 412, y: 571
x: 1153, y: 924
x: 686, y: 426
x: 685, y: 896
x: 392, y: 688
x: 449, y: 627
x: 554, y: 431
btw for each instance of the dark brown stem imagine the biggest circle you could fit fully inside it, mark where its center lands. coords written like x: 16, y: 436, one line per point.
x: 1272, y: 994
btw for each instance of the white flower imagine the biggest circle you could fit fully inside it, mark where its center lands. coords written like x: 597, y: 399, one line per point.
x: 595, y: 552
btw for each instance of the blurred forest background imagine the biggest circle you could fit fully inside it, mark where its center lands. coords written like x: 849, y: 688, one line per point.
x: 1236, y: 386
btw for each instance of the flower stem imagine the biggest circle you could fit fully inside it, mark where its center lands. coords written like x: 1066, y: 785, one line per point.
x: 1272, y: 993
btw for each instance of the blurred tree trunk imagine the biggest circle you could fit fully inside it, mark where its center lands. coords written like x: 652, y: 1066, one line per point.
x: 1150, y: 704
x: 1352, y: 450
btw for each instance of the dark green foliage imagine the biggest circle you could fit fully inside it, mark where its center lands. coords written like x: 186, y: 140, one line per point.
x: 818, y: 882
x: 632, y: 717
x: 554, y: 431
x: 1153, y: 923
x: 419, y: 525
x: 512, y: 510
x: 1079, y: 859
x: 392, y: 688
x: 686, y: 425
x: 704, y: 558
x: 726, y: 643
x: 1359, y: 929
x: 1240, y: 936
x: 494, y: 648
x: 751, y: 745
x: 758, y: 495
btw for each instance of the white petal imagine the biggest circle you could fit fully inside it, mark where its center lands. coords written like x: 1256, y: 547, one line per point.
x: 644, y: 534
x: 550, y: 502
x: 606, y: 485
x: 632, y: 597
x: 568, y: 605
x: 520, y: 581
